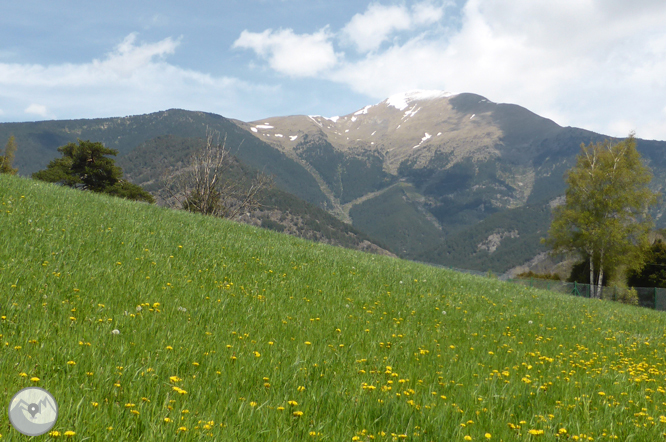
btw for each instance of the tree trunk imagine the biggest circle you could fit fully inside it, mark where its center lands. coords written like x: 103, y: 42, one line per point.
x: 601, y: 273
x: 591, y: 285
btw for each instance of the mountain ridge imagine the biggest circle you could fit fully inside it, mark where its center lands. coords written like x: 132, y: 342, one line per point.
x: 431, y: 175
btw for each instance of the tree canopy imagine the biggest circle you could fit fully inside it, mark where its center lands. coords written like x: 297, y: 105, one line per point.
x: 605, y: 217
x: 7, y: 159
x: 85, y: 165
x: 653, y: 273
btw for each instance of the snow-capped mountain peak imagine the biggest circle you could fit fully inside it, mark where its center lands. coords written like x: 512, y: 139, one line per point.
x: 401, y: 101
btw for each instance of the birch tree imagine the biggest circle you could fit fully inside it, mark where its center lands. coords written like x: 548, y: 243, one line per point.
x: 605, y: 214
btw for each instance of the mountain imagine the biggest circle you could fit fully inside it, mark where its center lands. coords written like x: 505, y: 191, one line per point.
x: 148, y: 144
x: 449, y: 179
x: 453, y: 179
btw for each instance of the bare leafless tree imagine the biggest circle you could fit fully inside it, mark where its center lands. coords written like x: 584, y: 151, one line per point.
x: 203, y: 184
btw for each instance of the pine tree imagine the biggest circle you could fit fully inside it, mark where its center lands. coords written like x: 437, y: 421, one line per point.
x: 605, y: 215
x: 86, y: 165
x: 7, y: 159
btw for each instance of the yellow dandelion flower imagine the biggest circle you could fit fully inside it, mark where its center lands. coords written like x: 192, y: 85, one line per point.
x: 95, y: 404
x: 23, y: 375
x: 488, y: 436
x: 71, y: 363
x: 167, y: 420
x: 182, y: 428
x: 292, y: 403
x: 297, y: 413
x: 129, y: 405
x: 280, y: 408
x: 34, y: 379
x: 175, y: 379
x: 69, y: 433
x: 467, y: 438
x: 253, y: 404
x: 196, y: 364
x: 257, y: 354
x: 169, y: 347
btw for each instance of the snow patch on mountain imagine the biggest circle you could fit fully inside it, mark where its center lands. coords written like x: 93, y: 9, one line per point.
x: 363, y: 111
x: 427, y: 136
x: 401, y: 101
x: 333, y: 119
x: 293, y: 137
x: 264, y: 126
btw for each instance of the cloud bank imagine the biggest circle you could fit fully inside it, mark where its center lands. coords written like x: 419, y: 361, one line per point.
x: 132, y: 76
x: 593, y: 64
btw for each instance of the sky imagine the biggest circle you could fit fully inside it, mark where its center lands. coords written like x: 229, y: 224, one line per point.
x: 594, y: 64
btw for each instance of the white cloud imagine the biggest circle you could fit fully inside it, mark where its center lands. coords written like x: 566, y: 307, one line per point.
x: 588, y: 63
x: 303, y: 55
x: 132, y: 78
x: 580, y: 63
x: 367, y: 31
x: 37, y: 109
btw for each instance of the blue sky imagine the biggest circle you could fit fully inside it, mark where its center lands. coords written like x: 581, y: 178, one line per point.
x: 596, y: 64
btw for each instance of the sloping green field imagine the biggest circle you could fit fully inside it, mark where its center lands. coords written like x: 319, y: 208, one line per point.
x: 228, y: 332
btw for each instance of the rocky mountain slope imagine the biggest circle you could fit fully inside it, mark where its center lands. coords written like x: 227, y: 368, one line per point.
x: 455, y: 180
x: 428, y: 171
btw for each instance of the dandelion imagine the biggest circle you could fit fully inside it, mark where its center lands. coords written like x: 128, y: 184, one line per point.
x: 182, y: 429
x: 253, y: 404
x: 34, y: 379
x: 23, y: 375
x: 257, y: 354
x: 69, y: 433
x: 467, y: 438
x: 535, y: 432
x: 115, y: 332
x: 292, y: 403
x: 297, y: 413
x: 175, y: 379
x: 54, y: 433
x: 488, y: 436
x: 71, y: 363
x: 167, y: 420
x: 95, y: 404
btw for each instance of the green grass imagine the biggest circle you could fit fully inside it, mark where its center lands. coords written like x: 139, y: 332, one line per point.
x: 245, y: 320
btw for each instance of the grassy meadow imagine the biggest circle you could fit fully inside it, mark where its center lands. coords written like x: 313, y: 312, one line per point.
x: 149, y: 324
